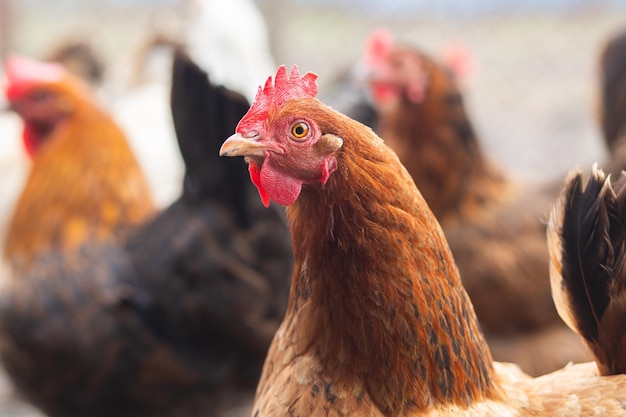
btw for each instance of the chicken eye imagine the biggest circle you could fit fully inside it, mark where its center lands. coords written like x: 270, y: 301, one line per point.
x: 299, y: 130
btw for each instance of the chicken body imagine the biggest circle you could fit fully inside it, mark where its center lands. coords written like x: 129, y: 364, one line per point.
x: 493, y: 224
x: 85, y: 181
x: 378, y: 323
x: 176, y: 319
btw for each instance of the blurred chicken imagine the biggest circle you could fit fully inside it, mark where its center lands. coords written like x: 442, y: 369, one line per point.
x: 85, y: 181
x: 493, y: 224
x: 378, y: 322
x: 237, y: 59
x: 82, y: 61
x: 177, y: 320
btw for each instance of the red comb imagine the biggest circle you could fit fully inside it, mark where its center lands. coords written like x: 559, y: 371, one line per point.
x: 23, y: 73
x: 377, y: 46
x: 274, y: 94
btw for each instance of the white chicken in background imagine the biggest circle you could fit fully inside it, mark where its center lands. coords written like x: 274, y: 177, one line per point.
x: 143, y: 113
x: 239, y: 59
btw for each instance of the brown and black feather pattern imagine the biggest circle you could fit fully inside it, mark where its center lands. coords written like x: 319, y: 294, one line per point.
x: 74, y: 340
x: 224, y: 261
x: 177, y: 320
x: 590, y: 223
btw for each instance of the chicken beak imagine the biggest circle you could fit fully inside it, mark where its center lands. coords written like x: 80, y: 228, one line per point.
x: 237, y: 145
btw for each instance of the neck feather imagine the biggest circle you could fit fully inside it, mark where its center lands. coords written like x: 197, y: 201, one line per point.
x: 391, y: 314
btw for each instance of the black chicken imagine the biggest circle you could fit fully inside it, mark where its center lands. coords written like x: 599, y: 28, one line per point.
x: 178, y: 320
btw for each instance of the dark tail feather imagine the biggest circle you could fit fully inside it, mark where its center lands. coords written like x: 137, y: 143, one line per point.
x: 204, y: 116
x: 587, y: 241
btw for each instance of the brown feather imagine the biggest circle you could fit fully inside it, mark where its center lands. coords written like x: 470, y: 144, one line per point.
x: 378, y: 323
x: 493, y: 224
x: 364, y: 276
x: 84, y: 183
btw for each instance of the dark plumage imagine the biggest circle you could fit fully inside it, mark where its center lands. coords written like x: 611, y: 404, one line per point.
x: 590, y: 295
x: 222, y: 242
x: 176, y: 321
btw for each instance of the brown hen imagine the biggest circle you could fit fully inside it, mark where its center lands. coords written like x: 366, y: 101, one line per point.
x: 493, y: 223
x: 85, y: 182
x: 378, y: 323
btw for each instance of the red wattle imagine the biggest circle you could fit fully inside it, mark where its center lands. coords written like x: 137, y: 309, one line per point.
x: 29, y: 138
x: 255, y: 176
x: 281, y: 188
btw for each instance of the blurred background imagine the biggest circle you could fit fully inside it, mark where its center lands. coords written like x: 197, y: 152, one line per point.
x: 530, y: 84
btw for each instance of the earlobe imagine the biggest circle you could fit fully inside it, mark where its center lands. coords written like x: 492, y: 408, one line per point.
x: 330, y: 166
x: 330, y: 142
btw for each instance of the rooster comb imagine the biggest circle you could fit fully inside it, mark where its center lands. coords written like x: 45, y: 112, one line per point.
x: 276, y: 92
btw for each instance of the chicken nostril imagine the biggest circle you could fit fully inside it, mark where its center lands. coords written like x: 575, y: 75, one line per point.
x: 252, y: 135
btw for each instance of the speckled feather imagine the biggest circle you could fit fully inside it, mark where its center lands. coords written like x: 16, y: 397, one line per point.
x: 493, y: 223
x: 378, y: 322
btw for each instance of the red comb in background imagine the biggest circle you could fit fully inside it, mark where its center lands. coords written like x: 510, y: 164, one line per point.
x: 23, y: 72
x: 377, y: 46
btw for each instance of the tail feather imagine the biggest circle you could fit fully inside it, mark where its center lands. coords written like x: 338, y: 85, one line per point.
x: 587, y: 240
x: 204, y: 115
